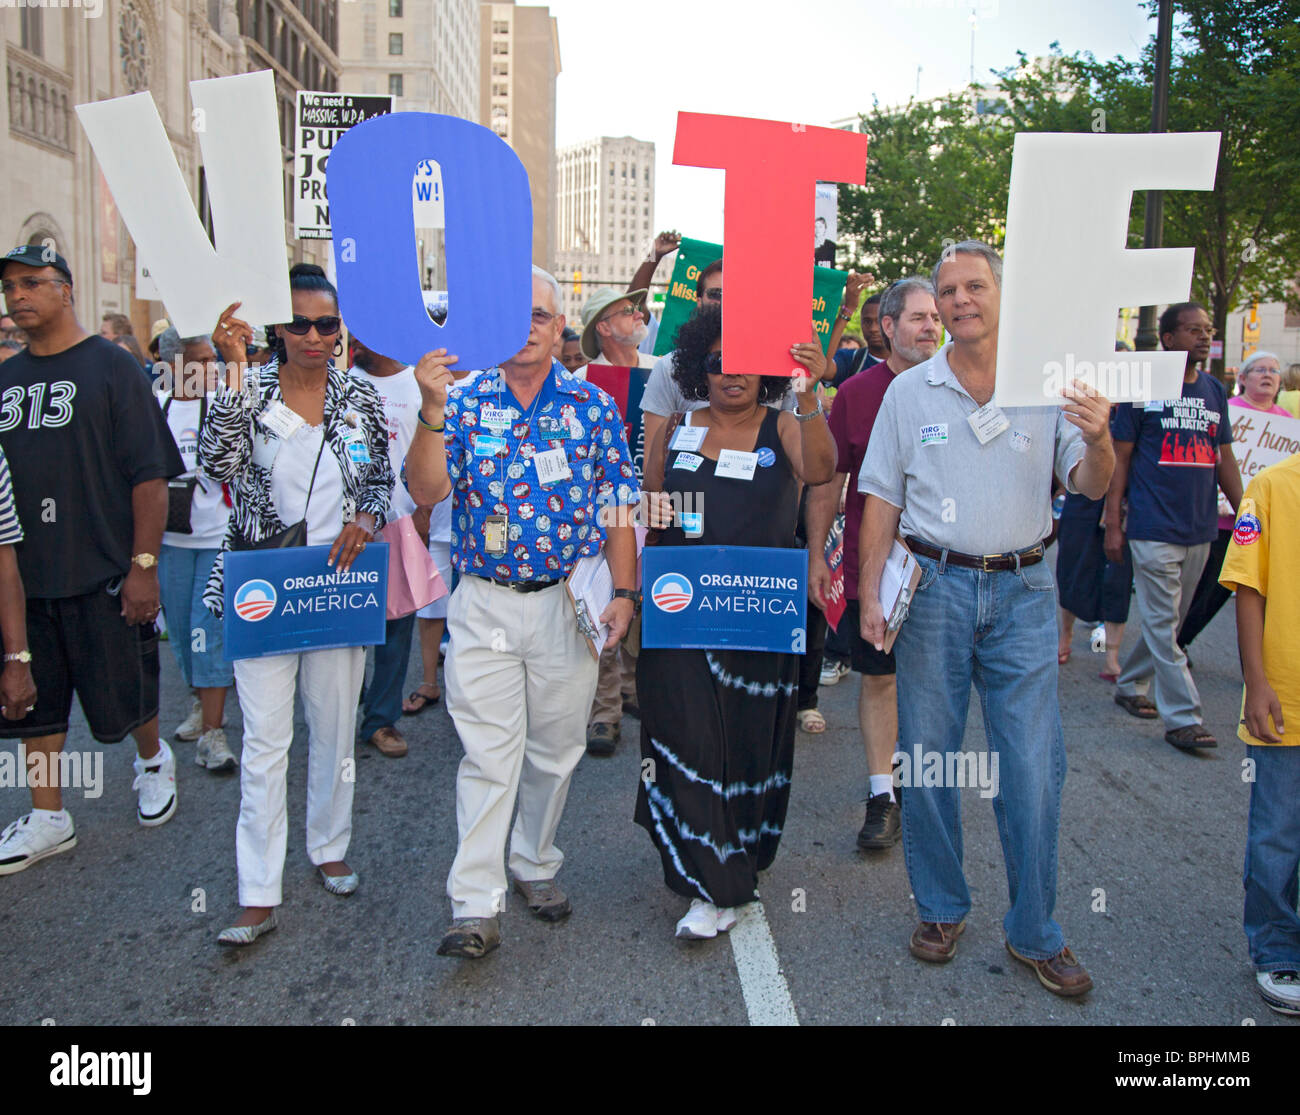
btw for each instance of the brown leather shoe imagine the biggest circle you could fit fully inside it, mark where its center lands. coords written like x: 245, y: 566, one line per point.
x: 1061, y: 974
x: 935, y: 942
x: 390, y: 742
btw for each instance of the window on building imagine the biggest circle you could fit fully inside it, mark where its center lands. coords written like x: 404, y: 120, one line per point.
x: 500, y: 48
x: 395, y: 84
x: 395, y: 8
x: 633, y: 174
x: 500, y: 69
x: 395, y: 43
x: 30, y: 36
x: 500, y: 89
x: 500, y: 27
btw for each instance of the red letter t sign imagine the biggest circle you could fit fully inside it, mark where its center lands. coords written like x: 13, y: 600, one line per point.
x: 772, y: 171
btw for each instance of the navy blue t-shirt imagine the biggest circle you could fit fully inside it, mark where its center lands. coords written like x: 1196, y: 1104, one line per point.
x: 845, y: 361
x: 1173, y: 480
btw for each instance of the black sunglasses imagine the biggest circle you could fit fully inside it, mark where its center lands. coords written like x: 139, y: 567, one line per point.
x: 301, y: 326
x: 713, y: 364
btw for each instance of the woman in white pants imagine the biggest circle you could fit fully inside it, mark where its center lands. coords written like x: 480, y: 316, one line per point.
x: 301, y: 441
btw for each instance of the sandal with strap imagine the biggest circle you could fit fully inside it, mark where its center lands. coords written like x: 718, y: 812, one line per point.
x: 1141, y: 707
x: 811, y: 721
x: 424, y: 702
x: 1190, y: 736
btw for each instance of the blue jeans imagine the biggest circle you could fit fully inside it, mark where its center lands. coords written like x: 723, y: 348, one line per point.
x: 999, y: 631
x: 382, y: 701
x: 182, y: 577
x: 1273, y: 859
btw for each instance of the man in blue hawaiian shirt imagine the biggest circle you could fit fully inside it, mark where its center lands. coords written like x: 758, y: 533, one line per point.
x: 540, y: 473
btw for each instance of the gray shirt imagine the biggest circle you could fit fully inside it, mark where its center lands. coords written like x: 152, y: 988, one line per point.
x: 663, y: 397
x: 925, y: 458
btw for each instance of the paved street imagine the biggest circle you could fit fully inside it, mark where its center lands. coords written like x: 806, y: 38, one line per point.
x: 107, y: 934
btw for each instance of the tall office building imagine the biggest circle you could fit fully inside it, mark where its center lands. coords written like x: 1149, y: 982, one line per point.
x: 424, y: 52
x: 605, y: 212
x: 519, y: 62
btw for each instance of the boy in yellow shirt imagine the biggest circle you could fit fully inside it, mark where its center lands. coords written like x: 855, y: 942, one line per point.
x: 1263, y: 567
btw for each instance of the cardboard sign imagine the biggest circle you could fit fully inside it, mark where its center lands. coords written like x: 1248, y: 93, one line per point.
x: 322, y: 118
x: 835, y: 602
x: 626, y: 385
x: 1259, y: 440
x: 489, y: 218
x: 239, y: 134
x: 1067, y: 226
x: 737, y: 597
x: 695, y: 255
x: 772, y: 173
x: 286, y: 601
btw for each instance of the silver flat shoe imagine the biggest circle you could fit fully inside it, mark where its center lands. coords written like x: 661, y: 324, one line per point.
x: 340, y: 884
x: 240, y: 935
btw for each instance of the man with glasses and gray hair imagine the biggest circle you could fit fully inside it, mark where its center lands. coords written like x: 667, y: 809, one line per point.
x: 1171, y: 458
x: 969, y: 483
x: 540, y: 475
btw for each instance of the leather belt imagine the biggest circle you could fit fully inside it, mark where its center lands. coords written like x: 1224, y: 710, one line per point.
x: 518, y: 586
x: 988, y: 563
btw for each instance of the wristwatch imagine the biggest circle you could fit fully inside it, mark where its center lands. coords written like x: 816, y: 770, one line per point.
x: 801, y: 417
x: 631, y: 594
x: 144, y: 561
x: 23, y: 656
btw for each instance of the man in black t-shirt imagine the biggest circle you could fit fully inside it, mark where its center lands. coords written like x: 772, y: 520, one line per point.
x: 90, y: 455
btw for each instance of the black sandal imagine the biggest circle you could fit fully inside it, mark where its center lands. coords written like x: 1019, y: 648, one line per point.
x: 1190, y: 736
x: 1141, y: 707
x: 425, y: 700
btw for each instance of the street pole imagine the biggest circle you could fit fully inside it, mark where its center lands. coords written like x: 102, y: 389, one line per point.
x: 1148, y: 339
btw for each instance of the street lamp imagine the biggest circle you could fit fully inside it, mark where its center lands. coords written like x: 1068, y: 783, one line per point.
x: 1148, y: 339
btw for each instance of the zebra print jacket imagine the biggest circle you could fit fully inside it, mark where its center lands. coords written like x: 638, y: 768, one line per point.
x: 226, y: 455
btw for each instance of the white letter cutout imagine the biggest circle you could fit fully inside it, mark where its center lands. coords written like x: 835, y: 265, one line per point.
x: 245, y: 178
x: 1067, y: 271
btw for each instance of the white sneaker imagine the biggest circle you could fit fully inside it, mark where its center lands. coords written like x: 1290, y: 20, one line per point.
x: 213, y: 752
x: 700, y: 921
x: 1280, y: 990
x: 191, y: 727
x: 156, y: 801
x: 832, y: 672
x: 32, y: 838
x: 726, y: 918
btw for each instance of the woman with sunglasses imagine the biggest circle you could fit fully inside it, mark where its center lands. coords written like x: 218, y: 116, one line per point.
x: 718, y: 725
x: 298, y: 441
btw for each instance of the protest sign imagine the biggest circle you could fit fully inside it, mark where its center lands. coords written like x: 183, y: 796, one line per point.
x: 826, y: 224
x: 834, y: 550
x: 239, y: 134
x: 734, y: 597
x: 772, y: 170
x: 1067, y: 227
x: 626, y: 386
x: 695, y: 255
x: 1259, y: 440
x: 285, y: 601
x: 489, y: 231
x: 321, y: 119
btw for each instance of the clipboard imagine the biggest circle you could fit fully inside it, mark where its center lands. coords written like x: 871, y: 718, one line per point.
x: 898, y: 581
x: 590, y: 586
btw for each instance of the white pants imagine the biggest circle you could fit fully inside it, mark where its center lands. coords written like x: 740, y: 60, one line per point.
x: 519, y: 684
x: 331, y: 684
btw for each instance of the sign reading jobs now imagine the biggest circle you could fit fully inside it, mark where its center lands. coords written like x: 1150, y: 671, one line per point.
x: 322, y: 118
x: 286, y: 601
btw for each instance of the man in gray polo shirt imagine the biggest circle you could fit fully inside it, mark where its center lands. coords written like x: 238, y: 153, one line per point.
x: 970, y: 485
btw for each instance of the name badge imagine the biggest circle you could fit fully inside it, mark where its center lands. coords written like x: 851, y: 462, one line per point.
x: 693, y: 524
x: 495, y: 529
x: 736, y: 464
x: 359, y: 451
x: 549, y: 427
x: 265, y: 449
x: 689, y: 438
x: 988, y: 422
x: 487, y: 446
x: 1154, y: 404
x: 496, y: 418
x: 689, y: 462
x: 280, y: 420
x: 936, y: 433
x: 552, y: 466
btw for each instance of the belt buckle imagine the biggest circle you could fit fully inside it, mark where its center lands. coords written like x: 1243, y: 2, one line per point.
x: 985, y: 567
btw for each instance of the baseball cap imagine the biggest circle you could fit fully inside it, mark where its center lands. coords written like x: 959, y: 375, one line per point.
x: 597, y: 304
x: 36, y: 255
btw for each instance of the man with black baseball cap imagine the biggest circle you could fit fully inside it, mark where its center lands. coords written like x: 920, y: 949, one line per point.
x: 90, y: 455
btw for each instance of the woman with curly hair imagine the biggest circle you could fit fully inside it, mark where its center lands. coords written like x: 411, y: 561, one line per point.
x: 718, y: 725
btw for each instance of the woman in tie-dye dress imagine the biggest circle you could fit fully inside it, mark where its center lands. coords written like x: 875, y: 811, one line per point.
x: 718, y: 725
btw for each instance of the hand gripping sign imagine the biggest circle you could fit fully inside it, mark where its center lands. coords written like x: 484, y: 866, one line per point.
x: 1067, y: 270
x: 772, y: 173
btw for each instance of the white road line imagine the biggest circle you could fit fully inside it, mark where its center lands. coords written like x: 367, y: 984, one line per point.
x: 767, y: 996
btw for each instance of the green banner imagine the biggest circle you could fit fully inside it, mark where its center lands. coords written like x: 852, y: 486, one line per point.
x: 693, y: 256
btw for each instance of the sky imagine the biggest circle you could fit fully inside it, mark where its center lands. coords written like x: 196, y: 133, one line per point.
x: 627, y: 69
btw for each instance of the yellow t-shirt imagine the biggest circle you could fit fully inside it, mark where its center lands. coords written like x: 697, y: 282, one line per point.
x: 1290, y: 401
x: 1264, y: 554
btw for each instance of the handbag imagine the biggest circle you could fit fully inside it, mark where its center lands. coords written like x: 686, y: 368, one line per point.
x: 180, y: 490
x: 295, y: 535
x: 413, y: 579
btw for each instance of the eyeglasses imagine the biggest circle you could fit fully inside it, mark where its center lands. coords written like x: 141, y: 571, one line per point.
x: 543, y: 317
x: 713, y: 294
x: 626, y: 311
x: 325, y: 326
x: 713, y: 363
x: 27, y: 284
x: 1200, y: 330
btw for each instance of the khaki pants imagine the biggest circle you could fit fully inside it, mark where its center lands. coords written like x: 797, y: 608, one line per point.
x: 519, y: 681
x: 616, y: 684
